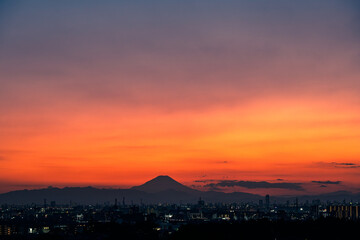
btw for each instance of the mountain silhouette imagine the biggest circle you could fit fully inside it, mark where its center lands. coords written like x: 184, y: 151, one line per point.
x: 162, y: 189
x: 163, y: 183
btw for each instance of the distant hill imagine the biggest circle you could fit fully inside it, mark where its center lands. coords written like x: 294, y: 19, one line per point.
x: 338, y: 196
x: 162, y: 189
x: 67, y: 195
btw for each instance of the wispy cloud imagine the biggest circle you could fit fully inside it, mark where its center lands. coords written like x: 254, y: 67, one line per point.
x: 326, y: 182
x: 222, y: 162
x: 349, y: 165
x: 136, y: 147
x: 345, y: 165
x: 13, y: 151
x: 254, y: 185
x: 205, y: 181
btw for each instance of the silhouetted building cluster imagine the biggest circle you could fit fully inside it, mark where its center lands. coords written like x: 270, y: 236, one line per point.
x: 75, y: 220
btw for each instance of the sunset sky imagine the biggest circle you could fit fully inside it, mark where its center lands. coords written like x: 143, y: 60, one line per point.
x: 235, y: 95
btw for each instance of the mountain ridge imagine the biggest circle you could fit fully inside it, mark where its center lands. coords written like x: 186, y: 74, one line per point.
x: 161, y: 189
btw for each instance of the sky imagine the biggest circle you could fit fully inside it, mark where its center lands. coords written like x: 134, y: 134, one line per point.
x: 253, y: 96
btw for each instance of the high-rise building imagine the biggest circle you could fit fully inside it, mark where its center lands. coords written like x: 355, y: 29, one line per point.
x: 201, y: 203
x: 267, y: 201
x: 261, y: 203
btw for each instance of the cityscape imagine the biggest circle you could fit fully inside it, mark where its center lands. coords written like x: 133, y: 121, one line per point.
x: 162, y: 221
x: 123, y: 218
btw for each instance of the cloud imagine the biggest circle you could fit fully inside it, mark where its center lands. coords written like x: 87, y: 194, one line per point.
x: 254, y: 185
x: 323, y: 186
x: 205, y: 181
x: 345, y: 165
x: 326, y: 182
x: 13, y: 151
x: 222, y: 162
x: 136, y: 147
x: 338, y: 164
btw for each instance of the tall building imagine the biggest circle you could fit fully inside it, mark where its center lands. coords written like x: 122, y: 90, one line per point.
x: 201, y: 203
x: 261, y: 203
x: 267, y: 201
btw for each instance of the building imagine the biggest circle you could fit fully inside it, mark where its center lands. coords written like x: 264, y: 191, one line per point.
x: 5, y: 230
x: 344, y: 212
x: 267, y: 201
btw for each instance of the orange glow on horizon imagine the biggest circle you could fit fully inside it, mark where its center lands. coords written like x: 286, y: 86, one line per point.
x: 121, y: 147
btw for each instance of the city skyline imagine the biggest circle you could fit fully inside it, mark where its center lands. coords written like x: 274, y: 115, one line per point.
x: 166, y: 190
x: 244, y: 96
